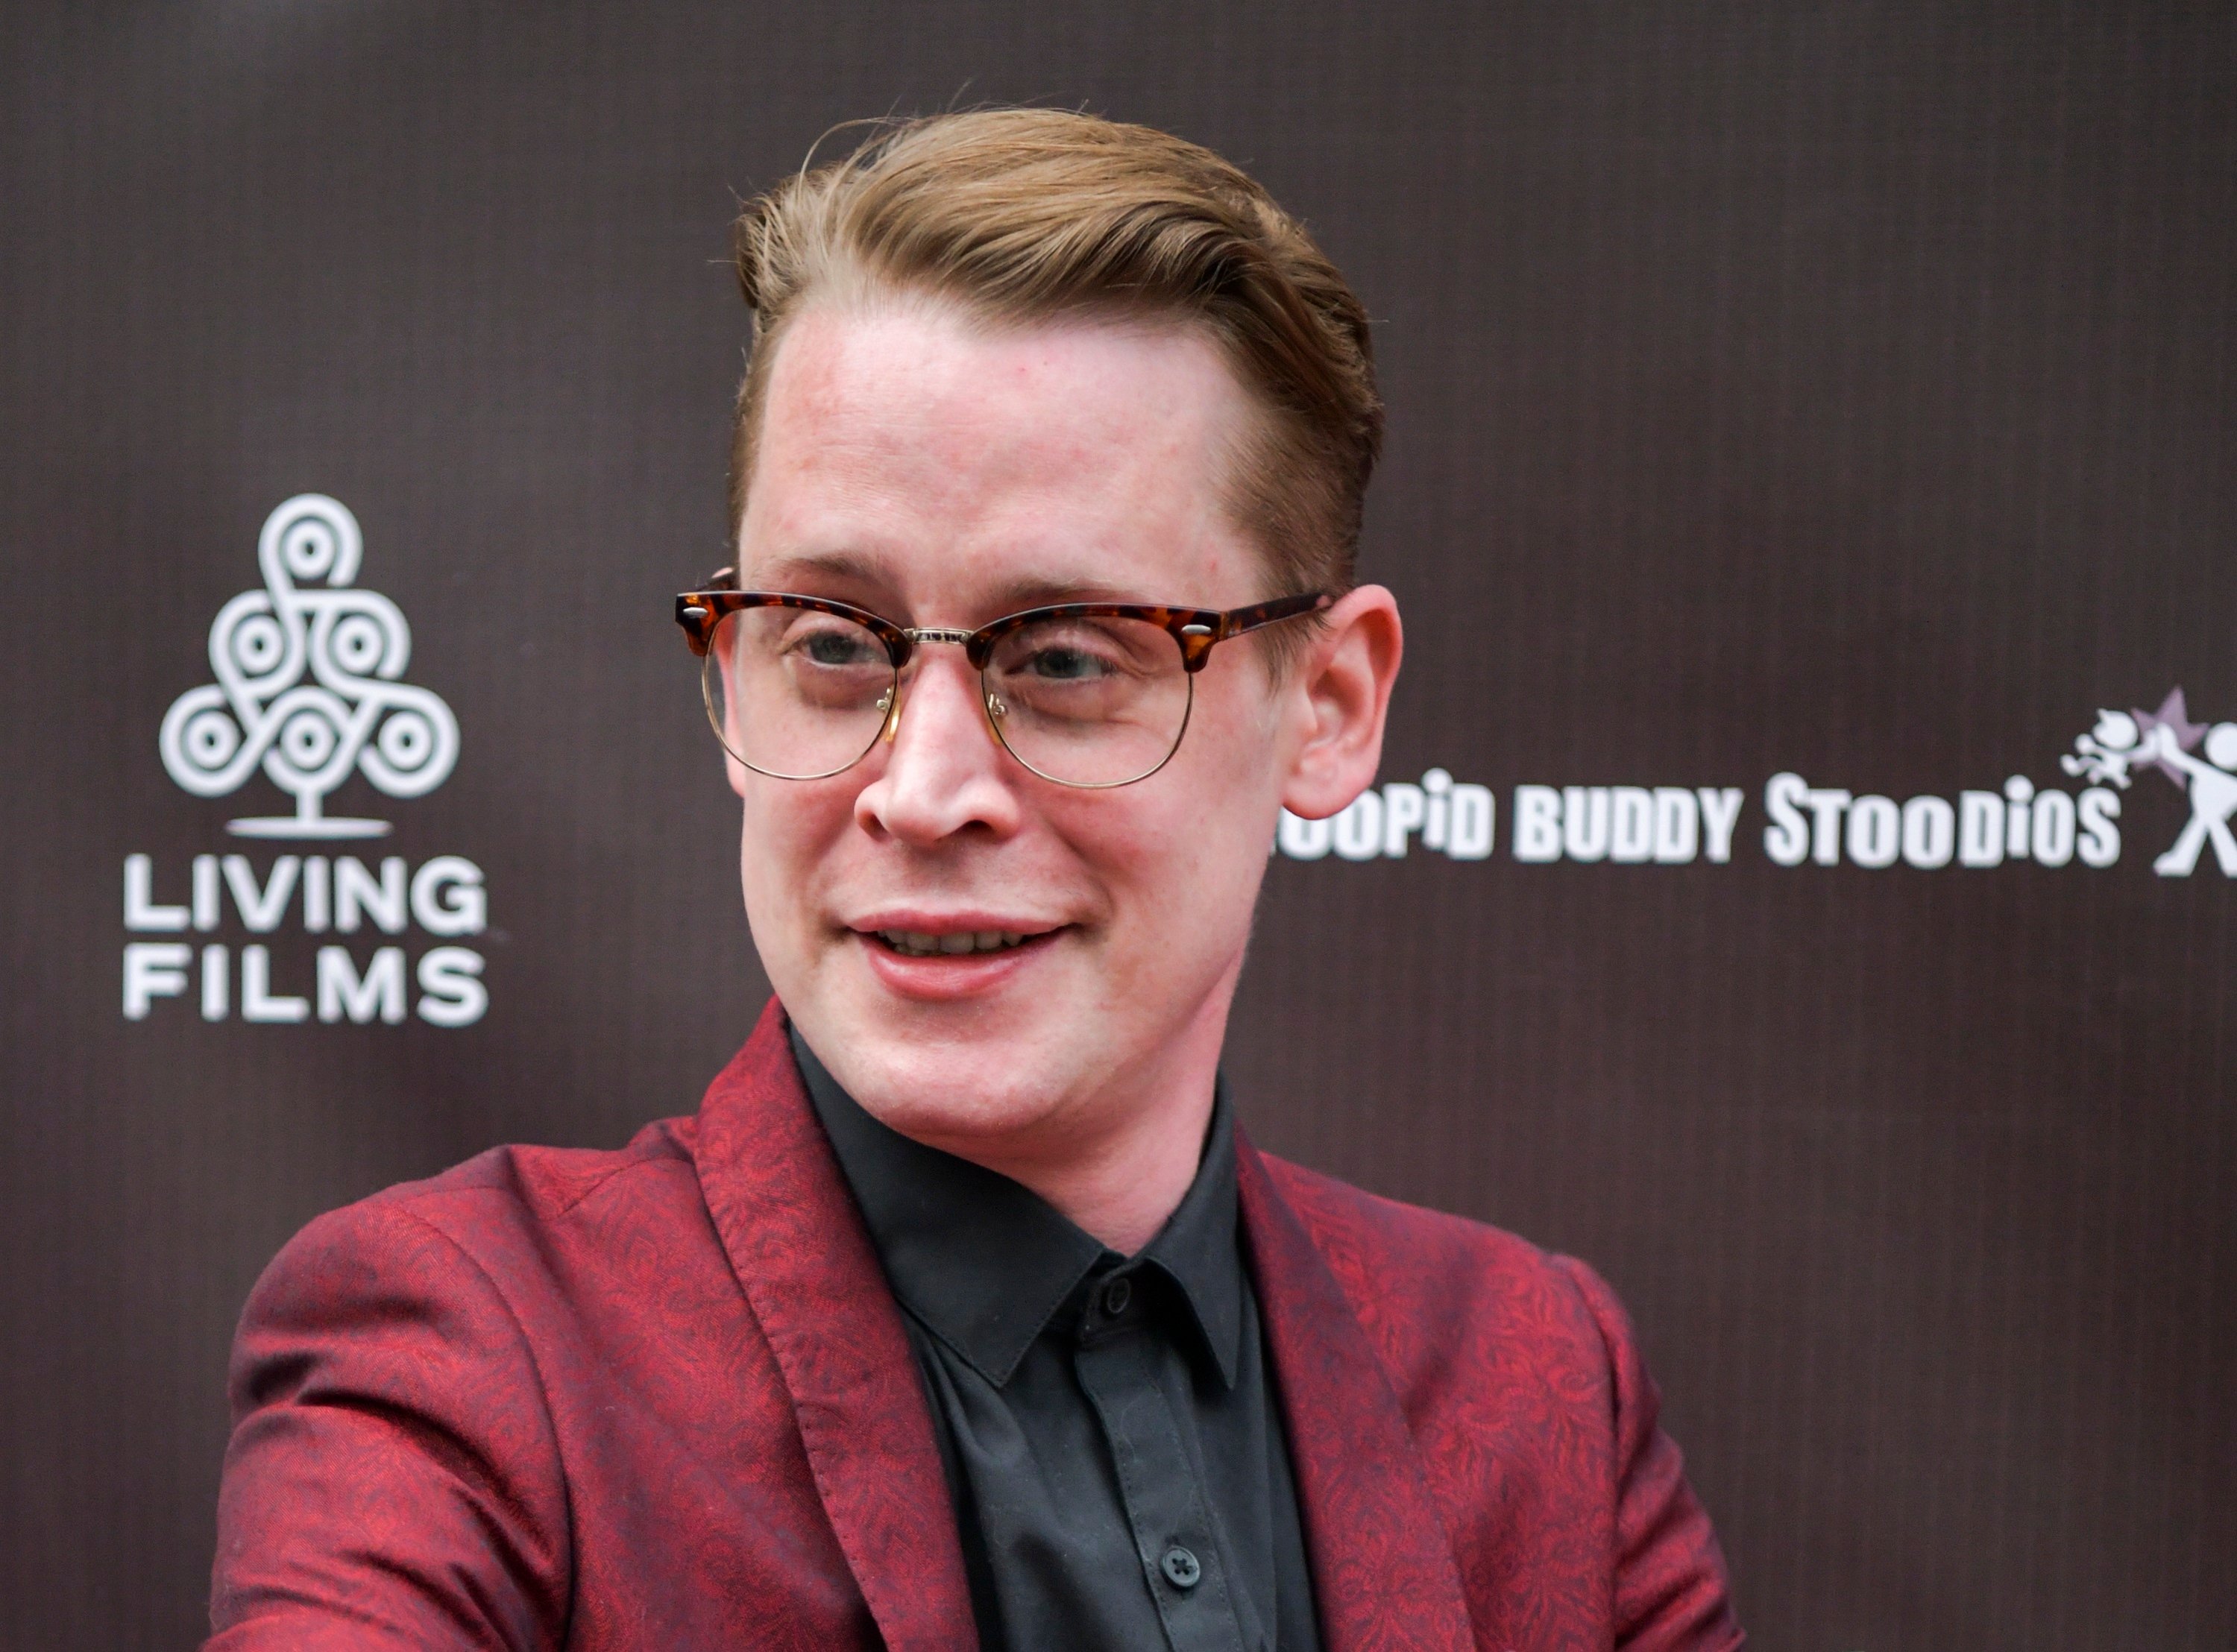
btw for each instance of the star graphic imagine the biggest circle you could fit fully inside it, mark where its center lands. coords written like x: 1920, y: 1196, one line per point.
x: 2174, y: 716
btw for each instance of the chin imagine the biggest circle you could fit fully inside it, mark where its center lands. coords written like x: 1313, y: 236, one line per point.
x: 957, y: 1062
x: 950, y: 1098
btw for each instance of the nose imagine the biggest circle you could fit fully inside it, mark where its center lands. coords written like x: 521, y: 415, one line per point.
x: 943, y: 770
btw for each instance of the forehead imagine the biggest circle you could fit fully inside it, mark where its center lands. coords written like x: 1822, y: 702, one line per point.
x: 1090, y: 453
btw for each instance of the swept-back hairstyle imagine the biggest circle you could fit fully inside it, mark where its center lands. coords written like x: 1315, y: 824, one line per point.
x: 1022, y: 216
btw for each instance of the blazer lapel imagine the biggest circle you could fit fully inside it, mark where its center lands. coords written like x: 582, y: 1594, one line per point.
x: 1383, y: 1573
x: 801, y: 1255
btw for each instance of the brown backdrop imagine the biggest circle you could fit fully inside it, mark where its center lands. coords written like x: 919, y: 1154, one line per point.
x: 1840, y: 391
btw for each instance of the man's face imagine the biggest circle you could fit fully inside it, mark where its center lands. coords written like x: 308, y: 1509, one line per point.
x: 941, y: 474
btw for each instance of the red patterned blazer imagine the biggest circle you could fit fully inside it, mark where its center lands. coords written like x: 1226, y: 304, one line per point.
x: 661, y: 1399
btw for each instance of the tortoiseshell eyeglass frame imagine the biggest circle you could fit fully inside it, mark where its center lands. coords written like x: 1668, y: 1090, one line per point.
x: 1197, y: 630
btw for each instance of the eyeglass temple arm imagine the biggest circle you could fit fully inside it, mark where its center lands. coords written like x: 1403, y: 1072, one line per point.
x: 1235, y: 622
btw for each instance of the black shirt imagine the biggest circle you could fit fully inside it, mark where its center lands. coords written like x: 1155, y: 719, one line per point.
x: 1113, y: 1447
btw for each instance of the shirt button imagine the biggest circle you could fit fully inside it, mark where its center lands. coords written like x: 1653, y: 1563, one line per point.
x: 1117, y: 1296
x: 1181, y: 1567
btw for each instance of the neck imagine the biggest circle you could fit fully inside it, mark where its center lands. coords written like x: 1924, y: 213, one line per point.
x: 1119, y: 1163
x: 1121, y: 1190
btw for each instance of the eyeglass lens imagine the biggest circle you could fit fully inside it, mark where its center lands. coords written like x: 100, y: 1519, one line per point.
x: 1084, y: 701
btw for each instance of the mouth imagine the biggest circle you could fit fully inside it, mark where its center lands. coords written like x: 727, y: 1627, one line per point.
x: 962, y: 942
x: 946, y: 957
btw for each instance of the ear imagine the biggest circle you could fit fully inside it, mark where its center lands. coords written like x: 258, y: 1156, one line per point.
x: 1340, y: 694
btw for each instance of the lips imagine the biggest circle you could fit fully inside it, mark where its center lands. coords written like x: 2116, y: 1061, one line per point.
x: 951, y: 957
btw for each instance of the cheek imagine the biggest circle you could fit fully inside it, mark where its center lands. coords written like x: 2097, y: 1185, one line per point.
x: 791, y: 833
x: 1182, y: 885
x: 1228, y: 760
x: 1182, y: 853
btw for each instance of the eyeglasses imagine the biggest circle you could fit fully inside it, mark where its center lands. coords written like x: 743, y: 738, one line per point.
x: 1091, y: 694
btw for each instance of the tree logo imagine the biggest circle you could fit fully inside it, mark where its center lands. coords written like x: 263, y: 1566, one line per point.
x: 308, y: 686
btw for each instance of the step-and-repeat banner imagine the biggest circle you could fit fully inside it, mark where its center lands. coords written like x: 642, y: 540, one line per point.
x: 1801, y: 878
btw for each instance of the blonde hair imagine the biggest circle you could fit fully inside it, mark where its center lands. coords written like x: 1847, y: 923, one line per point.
x: 1022, y: 216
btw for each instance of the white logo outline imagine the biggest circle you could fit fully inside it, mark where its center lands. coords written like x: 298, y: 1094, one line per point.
x: 2122, y: 740
x: 308, y: 736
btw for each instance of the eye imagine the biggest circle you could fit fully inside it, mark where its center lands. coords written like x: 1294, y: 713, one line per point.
x: 1065, y: 663
x: 836, y: 643
x: 1073, y: 661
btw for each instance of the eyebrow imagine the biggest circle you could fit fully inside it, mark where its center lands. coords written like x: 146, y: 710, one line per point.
x: 831, y: 564
x: 1026, y: 592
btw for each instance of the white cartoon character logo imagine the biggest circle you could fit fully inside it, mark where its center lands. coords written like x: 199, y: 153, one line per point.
x: 2165, y: 739
x: 307, y: 736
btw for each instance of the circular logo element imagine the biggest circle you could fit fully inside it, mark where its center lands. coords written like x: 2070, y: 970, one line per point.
x: 308, y: 685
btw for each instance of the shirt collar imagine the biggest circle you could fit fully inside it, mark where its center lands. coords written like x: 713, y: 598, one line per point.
x: 985, y: 1263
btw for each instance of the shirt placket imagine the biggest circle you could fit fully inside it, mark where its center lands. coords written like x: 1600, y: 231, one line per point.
x: 1167, y: 1509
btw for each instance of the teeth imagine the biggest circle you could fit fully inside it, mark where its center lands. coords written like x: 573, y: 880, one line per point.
x: 916, y: 944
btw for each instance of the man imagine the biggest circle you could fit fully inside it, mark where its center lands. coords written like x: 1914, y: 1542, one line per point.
x: 962, y: 1312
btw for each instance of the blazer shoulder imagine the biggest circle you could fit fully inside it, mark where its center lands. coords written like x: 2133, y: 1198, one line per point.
x: 1373, y: 1226
x: 501, y: 1221
x: 1409, y: 1272
x: 402, y: 1392
x: 540, y: 1185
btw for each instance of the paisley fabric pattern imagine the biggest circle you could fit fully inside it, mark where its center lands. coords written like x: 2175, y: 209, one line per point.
x: 661, y: 1399
x: 1474, y: 1434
